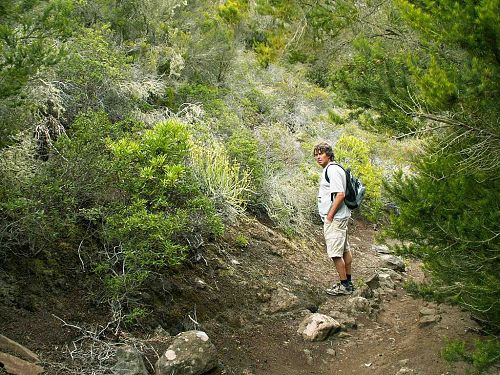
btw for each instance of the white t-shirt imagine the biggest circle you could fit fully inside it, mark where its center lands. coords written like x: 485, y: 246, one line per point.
x: 337, y: 184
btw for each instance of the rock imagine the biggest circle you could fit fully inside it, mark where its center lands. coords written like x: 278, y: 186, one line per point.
x: 317, y: 327
x: 394, y: 274
x: 359, y: 304
x: 381, y: 249
x: 18, y: 366
x: 191, y: 353
x: 428, y: 320
x: 427, y: 311
x: 160, y: 331
x: 129, y: 362
x: 406, y: 371
x: 200, y: 284
x: 373, y: 281
x: 365, y: 291
x: 393, y: 262
x: 331, y: 352
x: 16, y: 348
x: 345, y: 320
x: 344, y: 335
x: 282, y: 300
x: 385, y: 281
x: 309, y: 356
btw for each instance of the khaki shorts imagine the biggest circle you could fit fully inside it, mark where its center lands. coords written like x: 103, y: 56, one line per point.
x: 336, y: 237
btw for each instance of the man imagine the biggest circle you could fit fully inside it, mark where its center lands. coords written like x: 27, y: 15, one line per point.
x: 335, y: 215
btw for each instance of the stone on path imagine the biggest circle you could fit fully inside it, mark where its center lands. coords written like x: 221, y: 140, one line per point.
x: 345, y: 321
x: 373, y: 281
x: 191, y: 353
x: 393, y: 262
x: 427, y: 311
x: 282, y: 300
x: 428, y: 320
x: 359, y: 304
x: 317, y: 327
x: 381, y: 249
x: 385, y: 281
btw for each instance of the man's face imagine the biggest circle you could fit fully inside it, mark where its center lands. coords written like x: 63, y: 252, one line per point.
x: 322, y: 159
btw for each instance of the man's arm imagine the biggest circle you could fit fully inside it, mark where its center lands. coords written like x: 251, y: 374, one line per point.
x: 339, y: 198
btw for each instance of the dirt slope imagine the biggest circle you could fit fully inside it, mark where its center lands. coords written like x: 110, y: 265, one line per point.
x: 250, y: 300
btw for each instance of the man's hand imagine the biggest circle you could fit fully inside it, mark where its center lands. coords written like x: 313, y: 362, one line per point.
x: 339, y: 198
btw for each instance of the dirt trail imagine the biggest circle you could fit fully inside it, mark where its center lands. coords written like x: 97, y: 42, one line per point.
x: 382, y: 344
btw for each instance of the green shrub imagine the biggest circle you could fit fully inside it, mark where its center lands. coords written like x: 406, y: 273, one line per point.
x: 155, y: 224
x: 446, y: 226
x: 221, y: 178
x: 124, y: 196
x: 484, y: 354
x: 454, y: 351
x: 243, y: 147
x: 375, y: 77
x: 353, y: 153
x: 335, y: 118
x: 241, y: 241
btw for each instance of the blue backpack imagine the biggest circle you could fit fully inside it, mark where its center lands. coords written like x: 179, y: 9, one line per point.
x: 355, y: 190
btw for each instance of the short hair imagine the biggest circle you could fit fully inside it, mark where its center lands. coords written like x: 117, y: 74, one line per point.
x: 324, y: 147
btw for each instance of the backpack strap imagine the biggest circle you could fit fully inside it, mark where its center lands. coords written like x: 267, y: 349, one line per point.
x: 332, y: 198
x: 326, y: 171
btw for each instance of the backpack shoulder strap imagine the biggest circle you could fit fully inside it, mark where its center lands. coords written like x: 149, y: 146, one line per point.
x: 326, y: 170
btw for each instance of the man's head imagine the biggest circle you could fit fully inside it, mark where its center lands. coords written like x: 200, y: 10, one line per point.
x: 323, y: 153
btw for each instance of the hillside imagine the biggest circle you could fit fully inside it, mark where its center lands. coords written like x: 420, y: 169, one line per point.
x: 157, y: 177
x: 250, y: 299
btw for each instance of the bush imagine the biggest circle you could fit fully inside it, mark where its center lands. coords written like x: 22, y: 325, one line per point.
x: 446, y: 226
x: 123, y: 195
x: 163, y: 211
x: 353, y: 153
x: 376, y: 77
x: 221, y: 178
x: 484, y: 354
x: 244, y: 148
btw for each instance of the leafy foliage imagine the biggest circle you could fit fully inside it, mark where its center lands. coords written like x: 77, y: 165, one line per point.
x: 27, y: 33
x: 221, y: 177
x: 353, y: 153
x: 128, y: 198
x: 450, y: 217
x: 484, y: 354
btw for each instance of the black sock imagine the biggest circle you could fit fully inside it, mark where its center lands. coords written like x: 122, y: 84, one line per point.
x: 349, y: 278
x: 344, y: 283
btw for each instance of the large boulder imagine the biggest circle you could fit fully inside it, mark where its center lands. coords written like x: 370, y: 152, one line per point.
x: 317, y: 327
x: 191, y: 353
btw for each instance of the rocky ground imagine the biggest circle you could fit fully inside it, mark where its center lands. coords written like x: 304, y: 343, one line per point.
x: 250, y: 299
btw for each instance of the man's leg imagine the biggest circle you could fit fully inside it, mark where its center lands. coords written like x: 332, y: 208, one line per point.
x: 347, y: 258
x: 336, y: 242
x: 340, y: 265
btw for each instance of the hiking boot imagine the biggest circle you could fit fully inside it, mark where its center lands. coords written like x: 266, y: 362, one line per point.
x: 339, y: 290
